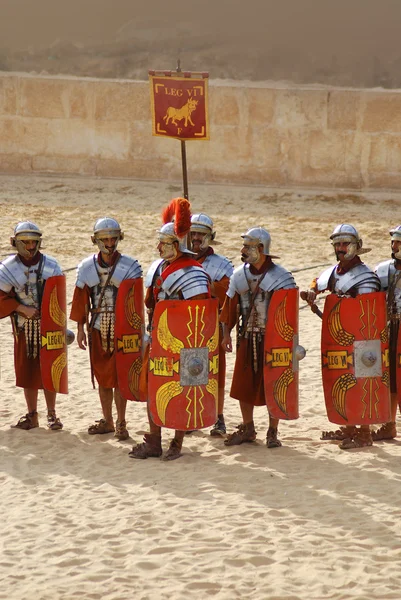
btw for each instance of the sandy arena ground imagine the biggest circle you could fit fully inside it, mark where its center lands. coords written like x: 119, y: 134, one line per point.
x: 83, y: 520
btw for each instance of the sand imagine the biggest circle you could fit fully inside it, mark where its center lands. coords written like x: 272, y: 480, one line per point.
x: 83, y: 520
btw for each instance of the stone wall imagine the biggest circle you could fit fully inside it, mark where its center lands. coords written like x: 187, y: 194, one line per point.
x: 260, y: 134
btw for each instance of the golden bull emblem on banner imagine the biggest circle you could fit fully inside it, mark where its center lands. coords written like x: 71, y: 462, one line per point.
x: 180, y: 105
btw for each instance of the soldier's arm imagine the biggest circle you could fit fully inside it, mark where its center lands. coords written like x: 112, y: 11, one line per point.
x: 9, y: 304
x: 228, y: 319
x: 80, y: 302
x: 219, y: 289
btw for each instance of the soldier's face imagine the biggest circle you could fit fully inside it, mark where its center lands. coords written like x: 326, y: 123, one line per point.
x: 341, y: 249
x: 250, y: 253
x: 110, y: 244
x: 197, y: 241
x: 30, y: 246
x: 167, y: 250
x: 396, y: 248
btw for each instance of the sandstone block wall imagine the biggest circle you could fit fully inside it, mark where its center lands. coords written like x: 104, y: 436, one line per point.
x: 260, y: 134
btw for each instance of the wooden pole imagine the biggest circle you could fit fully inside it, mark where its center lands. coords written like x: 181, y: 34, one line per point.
x: 183, y: 153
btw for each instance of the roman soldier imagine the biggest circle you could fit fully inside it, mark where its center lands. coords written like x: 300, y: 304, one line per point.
x: 172, y: 279
x: 23, y: 278
x: 219, y: 269
x: 348, y: 279
x: 250, y: 292
x: 99, y: 277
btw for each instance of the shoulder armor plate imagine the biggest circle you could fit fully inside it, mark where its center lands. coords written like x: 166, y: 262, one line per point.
x: 126, y: 268
x: 87, y: 272
x: 51, y: 268
x: 152, y: 272
x: 385, y: 270
x: 190, y: 281
x: 277, y: 278
x: 217, y: 266
x: 323, y: 279
x: 360, y: 276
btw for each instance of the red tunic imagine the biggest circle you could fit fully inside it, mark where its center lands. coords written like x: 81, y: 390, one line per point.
x: 27, y: 370
x: 103, y: 363
x: 246, y: 386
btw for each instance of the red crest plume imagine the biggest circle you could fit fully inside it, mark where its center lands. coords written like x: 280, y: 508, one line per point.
x: 178, y: 211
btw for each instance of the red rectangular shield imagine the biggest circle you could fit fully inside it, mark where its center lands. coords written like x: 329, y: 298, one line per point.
x: 53, y: 351
x: 179, y: 105
x: 281, y: 355
x: 128, y: 332
x: 355, y: 362
x: 184, y: 364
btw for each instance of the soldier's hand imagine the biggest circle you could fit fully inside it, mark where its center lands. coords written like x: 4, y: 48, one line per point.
x: 227, y: 342
x: 81, y: 339
x: 29, y: 312
x: 309, y: 297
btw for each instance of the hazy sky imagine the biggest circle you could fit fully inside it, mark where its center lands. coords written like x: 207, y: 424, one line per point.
x: 348, y: 35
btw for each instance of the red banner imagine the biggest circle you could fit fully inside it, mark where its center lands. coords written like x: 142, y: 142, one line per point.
x: 180, y: 105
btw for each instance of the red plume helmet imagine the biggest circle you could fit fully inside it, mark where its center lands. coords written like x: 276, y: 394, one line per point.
x: 178, y: 212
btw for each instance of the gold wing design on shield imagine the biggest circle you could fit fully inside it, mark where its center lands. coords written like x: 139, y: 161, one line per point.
x: 213, y: 342
x: 57, y: 370
x: 133, y: 376
x: 164, y: 394
x: 213, y: 388
x: 131, y: 314
x: 281, y: 323
x: 165, y: 338
x: 56, y: 313
x: 336, y: 330
x: 280, y: 389
x: 339, y: 391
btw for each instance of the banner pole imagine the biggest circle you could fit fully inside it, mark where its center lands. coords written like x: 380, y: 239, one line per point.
x: 183, y: 151
x: 184, y: 168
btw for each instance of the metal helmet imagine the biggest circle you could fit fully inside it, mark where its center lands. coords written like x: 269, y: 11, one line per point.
x: 202, y: 223
x: 258, y: 235
x: 26, y: 231
x: 396, y: 237
x: 348, y: 233
x: 167, y: 235
x: 104, y: 228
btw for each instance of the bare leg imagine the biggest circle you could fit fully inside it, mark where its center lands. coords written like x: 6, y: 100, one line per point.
x: 50, y: 398
x: 121, y: 405
x: 246, y: 411
x: 106, y: 400
x: 153, y: 428
x: 121, y: 425
x: 31, y: 397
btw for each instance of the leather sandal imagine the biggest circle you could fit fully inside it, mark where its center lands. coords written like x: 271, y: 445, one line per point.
x: 150, y: 447
x: 100, y: 427
x: 340, y: 434
x: 29, y: 421
x: 388, y: 431
x: 53, y: 422
x: 361, y: 439
x: 121, y: 431
x: 174, y: 450
x: 272, y: 440
x: 246, y: 433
